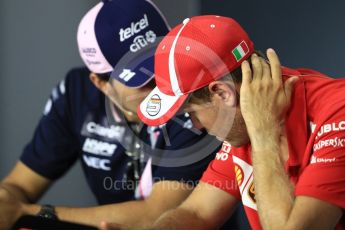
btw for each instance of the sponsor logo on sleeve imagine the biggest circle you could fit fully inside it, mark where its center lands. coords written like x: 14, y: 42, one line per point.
x: 335, y: 126
x: 312, y: 126
x: 62, y: 87
x: 55, y: 95
x: 334, y: 142
x: 315, y: 160
x: 48, y: 107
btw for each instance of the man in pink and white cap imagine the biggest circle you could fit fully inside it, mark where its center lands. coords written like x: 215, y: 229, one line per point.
x: 91, y: 118
x: 283, y: 129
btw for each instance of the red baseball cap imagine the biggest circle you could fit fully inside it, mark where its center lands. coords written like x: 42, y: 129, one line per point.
x: 192, y: 55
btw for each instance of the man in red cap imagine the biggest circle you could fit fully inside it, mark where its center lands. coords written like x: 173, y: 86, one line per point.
x: 283, y: 129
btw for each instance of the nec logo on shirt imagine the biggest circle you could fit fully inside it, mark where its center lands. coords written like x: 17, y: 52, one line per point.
x: 97, y: 163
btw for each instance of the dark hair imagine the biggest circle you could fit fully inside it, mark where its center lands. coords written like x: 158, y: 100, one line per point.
x: 204, y: 93
x: 103, y: 76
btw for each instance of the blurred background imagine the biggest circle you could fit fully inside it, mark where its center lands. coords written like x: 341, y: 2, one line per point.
x: 38, y: 46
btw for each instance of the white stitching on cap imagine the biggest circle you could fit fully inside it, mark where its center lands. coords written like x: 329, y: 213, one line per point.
x: 172, y: 72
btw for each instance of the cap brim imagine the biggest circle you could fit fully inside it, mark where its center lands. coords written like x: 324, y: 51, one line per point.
x: 135, y: 69
x: 158, y: 108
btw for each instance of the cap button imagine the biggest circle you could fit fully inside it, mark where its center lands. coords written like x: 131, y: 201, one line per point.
x: 186, y: 21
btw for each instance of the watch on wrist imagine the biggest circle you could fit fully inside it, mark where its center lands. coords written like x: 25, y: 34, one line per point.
x: 48, y: 212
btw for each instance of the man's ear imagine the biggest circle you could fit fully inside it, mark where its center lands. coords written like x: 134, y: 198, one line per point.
x: 224, y: 92
x: 100, y: 84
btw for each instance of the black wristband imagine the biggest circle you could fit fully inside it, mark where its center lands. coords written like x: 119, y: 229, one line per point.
x: 48, y: 211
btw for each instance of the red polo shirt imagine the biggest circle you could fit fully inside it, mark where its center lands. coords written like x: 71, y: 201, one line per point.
x: 315, y: 126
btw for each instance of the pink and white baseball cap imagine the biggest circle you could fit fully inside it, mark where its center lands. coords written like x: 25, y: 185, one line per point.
x: 192, y: 55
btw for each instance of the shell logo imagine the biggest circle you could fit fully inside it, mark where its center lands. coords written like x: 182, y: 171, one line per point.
x: 239, y: 174
x: 251, y: 192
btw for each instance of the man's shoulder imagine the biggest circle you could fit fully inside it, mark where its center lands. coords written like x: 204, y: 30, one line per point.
x: 77, y: 79
x: 78, y: 75
x: 313, y: 79
x: 80, y: 88
x: 324, y: 95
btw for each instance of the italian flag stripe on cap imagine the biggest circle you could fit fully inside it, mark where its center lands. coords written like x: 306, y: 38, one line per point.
x: 240, y: 51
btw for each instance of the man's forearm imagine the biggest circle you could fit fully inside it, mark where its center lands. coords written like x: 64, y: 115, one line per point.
x: 131, y: 215
x: 15, y: 191
x: 273, y: 190
x: 13, y: 205
x: 180, y: 219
